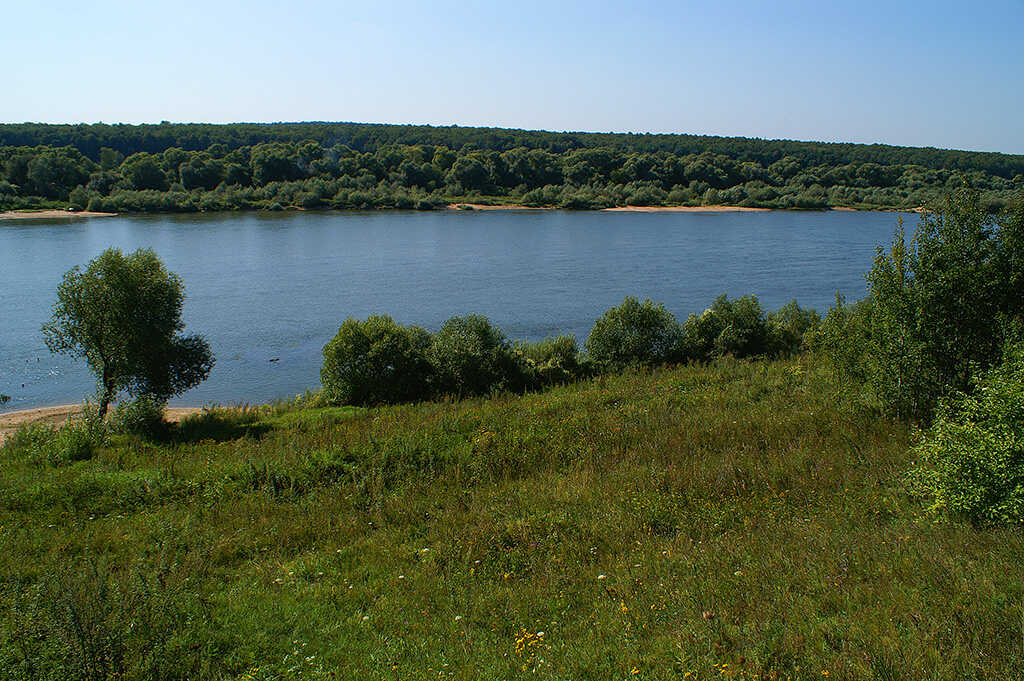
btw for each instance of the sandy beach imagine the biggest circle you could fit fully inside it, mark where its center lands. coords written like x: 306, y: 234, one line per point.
x: 9, y: 421
x: 633, y: 209
x: 484, y: 206
x: 50, y: 214
x: 686, y: 209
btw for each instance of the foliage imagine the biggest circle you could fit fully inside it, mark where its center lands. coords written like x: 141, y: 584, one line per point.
x: 352, y: 166
x: 552, y: 361
x: 470, y: 356
x: 376, y: 361
x: 971, y: 461
x: 142, y: 416
x: 940, y: 308
x: 634, y: 334
x: 789, y: 329
x: 123, y: 315
x: 729, y: 327
x: 77, y: 439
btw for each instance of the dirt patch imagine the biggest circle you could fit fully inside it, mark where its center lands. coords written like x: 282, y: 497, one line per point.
x: 10, y: 421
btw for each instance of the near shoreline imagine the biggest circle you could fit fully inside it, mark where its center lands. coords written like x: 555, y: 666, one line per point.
x: 10, y: 421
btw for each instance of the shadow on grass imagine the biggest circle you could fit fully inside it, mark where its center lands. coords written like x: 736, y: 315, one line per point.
x: 220, y: 425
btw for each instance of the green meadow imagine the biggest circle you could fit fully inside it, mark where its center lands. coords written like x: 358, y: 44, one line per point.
x: 732, y: 520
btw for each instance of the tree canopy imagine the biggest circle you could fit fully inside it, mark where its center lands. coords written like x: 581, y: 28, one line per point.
x: 122, y: 313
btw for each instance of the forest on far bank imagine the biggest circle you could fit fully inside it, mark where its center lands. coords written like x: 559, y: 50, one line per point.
x: 201, y: 167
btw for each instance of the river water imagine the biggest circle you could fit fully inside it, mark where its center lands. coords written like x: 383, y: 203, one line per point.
x: 276, y: 286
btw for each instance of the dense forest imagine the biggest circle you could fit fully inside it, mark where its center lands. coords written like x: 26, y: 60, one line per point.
x: 200, y: 167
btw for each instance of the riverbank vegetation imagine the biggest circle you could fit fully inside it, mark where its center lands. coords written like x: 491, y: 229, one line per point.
x: 184, y: 168
x: 591, y: 514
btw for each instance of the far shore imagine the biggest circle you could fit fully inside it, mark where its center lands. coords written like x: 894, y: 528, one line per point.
x: 717, y: 208
x: 61, y: 214
x: 10, y: 421
x: 50, y: 214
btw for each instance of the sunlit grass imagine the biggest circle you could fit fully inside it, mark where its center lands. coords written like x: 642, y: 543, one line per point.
x: 732, y: 521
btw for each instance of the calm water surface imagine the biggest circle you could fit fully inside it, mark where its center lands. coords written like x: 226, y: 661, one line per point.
x: 262, y: 286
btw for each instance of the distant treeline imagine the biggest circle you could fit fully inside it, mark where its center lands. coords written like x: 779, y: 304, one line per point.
x: 171, y: 167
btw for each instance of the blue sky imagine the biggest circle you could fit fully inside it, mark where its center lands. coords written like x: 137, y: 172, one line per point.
x: 912, y: 73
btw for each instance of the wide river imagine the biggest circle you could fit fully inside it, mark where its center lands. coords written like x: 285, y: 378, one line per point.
x: 276, y: 286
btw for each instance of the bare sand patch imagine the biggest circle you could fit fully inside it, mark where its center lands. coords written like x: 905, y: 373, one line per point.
x: 10, y: 421
x: 687, y: 209
x: 484, y: 206
x: 50, y: 214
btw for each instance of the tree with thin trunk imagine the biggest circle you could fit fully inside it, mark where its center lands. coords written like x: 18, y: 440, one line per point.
x: 122, y: 313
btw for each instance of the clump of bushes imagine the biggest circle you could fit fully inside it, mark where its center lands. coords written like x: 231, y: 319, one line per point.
x: 470, y: 356
x: 553, y: 360
x: 378, y: 361
x: 971, y: 461
x: 940, y: 308
x: 142, y: 416
x: 634, y: 334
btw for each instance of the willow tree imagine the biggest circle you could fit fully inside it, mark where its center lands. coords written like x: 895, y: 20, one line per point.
x: 122, y: 313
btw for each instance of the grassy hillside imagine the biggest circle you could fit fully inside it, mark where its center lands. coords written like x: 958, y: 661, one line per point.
x: 735, y: 521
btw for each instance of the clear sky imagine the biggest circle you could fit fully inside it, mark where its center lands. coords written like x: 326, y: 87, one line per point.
x: 944, y: 74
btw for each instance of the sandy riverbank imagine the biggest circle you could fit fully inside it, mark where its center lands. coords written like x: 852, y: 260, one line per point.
x: 686, y: 209
x: 484, y: 206
x: 637, y: 209
x: 50, y: 214
x: 9, y: 421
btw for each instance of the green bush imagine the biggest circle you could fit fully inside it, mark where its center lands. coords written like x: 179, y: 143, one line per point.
x: 376, y: 361
x: 472, y: 357
x: 789, y: 327
x: 971, y: 462
x: 634, y: 334
x: 939, y: 308
x: 143, y: 416
x: 729, y: 327
x: 552, y: 361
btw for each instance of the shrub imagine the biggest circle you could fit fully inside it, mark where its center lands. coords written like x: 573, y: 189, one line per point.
x: 788, y: 329
x: 472, y: 357
x: 971, y: 462
x: 940, y: 307
x: 552, y: 361
x: 143, y: 416
x: 376, y: 361
x: 75, y: 440
x: 634, y: 334
x: 729, y: 327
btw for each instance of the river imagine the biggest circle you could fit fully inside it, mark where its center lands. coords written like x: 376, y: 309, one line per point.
x: 276, y: 286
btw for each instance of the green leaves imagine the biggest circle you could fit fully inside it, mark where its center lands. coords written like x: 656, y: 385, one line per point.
x: 971, y: 461
x: 634, y: 334
x: 123, y: 315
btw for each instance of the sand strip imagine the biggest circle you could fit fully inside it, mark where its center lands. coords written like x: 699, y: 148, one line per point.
x: 10, y: 421
x: 50, y: 214
x: 686, y: 209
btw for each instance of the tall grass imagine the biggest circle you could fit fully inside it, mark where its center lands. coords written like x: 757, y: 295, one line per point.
x: 737, y: 520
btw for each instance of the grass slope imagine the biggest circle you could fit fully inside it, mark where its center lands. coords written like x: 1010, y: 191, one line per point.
x: 731, y: 521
